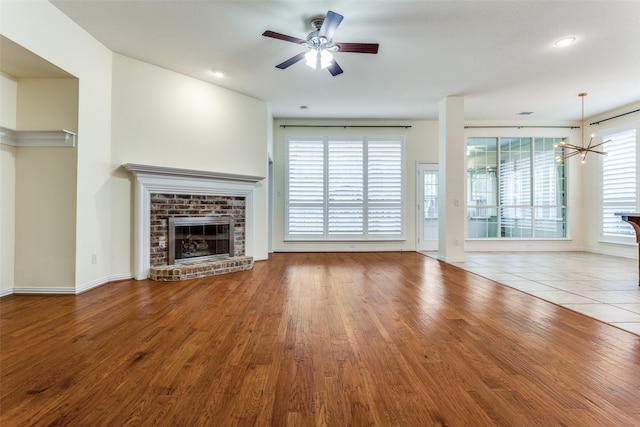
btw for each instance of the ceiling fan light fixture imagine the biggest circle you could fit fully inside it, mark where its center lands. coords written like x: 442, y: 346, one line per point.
x: 320, y: 44
x: 312, y: 58
x: 318, y: 58
x: 325, y: 59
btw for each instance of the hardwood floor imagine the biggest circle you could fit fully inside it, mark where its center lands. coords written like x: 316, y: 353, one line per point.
x: 314, y: 340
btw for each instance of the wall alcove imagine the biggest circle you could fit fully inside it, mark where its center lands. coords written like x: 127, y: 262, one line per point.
x: 38, y: 137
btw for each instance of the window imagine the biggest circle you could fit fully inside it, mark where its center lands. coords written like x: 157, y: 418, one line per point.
x: 515, y: 188
x: 619, y: 184
x: 344, y: 188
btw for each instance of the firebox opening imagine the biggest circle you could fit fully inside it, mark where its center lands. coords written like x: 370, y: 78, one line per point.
x: 200, y: 239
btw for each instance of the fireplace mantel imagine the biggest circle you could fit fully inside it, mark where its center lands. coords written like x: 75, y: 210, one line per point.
x: 189, y: 173
x: 160, y: 179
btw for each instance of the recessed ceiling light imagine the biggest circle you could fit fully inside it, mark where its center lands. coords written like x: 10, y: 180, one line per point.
x: 565, y: 41
x: 217, y: 73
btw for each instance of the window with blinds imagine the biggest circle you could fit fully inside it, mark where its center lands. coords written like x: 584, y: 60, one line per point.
x: 619, y: 184
x: 344, y: 188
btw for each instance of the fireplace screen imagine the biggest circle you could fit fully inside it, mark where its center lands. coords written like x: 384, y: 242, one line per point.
x: 200, y: 239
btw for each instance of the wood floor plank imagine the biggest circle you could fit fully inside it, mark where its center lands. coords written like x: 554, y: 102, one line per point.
x: 313, y: 339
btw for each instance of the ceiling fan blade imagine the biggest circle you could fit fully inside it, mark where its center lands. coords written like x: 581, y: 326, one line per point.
x: 334, y: 68
x: 357, y: 47
x: 289, y: 62
x: 330, y: 25
x: 284, y: 37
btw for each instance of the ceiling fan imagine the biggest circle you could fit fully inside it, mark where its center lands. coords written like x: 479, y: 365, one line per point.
x: 320, y: 44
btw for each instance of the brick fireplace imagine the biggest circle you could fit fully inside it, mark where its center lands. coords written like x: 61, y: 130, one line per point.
x: 162, y: 193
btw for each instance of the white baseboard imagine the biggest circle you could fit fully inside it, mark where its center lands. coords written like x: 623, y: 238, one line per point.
x: 64, y: 290
x: 450, y: 259
x: 103, y: 281
x: 48, y: 290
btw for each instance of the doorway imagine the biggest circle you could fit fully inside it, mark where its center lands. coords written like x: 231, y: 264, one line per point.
x: 427, y: 215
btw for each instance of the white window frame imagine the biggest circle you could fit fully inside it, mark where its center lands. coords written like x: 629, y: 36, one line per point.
x: 629, y: 240
x: 365, y: 235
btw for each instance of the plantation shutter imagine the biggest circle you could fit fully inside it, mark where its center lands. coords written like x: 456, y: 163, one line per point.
x: 619, y: 183
x: 344, y: 188
x: 385, y: 188
x: 305, y: 190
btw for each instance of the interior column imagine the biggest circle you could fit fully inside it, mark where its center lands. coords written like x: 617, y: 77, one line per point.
x: 452, y: 175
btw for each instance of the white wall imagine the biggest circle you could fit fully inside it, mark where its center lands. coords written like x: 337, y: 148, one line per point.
x: 7, y: 217
x: 8, y: 102
x: 162, y: 118
x: 421, y: 144
x: 47, y: 104
x: 45, y: 219
x: 41, y: 28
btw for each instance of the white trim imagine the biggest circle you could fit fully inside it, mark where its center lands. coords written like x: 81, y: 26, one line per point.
x: 53, y: 290
x: 37, y: 138
x: 64, y: 290
x: 190, y: 173
x: 103, y: 281
x: 448, y: 260
x: 154, y: 179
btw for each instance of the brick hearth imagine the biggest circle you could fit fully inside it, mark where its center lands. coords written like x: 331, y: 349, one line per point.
x: 175, y: 272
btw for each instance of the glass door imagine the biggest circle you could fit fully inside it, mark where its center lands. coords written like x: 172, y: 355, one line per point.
x: 427, y: 207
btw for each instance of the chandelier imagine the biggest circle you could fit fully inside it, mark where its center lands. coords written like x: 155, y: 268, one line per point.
x: 580, y: 149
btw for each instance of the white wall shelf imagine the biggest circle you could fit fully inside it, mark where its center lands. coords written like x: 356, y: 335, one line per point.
x: 37, y: 138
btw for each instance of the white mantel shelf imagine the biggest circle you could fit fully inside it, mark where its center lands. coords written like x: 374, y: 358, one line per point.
x: 190, y: 173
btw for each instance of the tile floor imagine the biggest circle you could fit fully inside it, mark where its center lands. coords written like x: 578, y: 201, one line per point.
x: 600, y: 286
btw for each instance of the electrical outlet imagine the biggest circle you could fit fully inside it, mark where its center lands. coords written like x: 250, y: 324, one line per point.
x: 94, y: 258
x: 162, y: 244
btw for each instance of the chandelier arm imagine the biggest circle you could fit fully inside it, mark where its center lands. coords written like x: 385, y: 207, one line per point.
x: 597, y: 145
x: 590, y: 142
x: 566, y: 156
x: 604, y: 153
x: 575, y: 147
